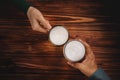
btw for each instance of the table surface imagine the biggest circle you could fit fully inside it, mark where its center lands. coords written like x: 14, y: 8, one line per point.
x: 29, y: 55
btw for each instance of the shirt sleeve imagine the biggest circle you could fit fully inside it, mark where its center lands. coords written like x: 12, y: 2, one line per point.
x: 23, y: 5
x: 99, y: 75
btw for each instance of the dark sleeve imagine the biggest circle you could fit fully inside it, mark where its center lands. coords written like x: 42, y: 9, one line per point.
x: 21, y: 4
x: 99, y: 75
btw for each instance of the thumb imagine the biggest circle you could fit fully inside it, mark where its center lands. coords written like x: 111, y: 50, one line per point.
x: 71, y: 64
x: 75, y: 65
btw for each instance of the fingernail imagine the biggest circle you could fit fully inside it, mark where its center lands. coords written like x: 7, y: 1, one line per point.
x: 68, y: 62
x: 50, y: 27
x: 47, y: 29
x: 80, y: 39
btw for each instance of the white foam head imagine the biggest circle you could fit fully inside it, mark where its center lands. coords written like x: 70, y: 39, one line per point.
x: 74, y: 51
x: 58, y: 35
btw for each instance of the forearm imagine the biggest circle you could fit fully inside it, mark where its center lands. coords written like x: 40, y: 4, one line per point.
x: 99, y: 75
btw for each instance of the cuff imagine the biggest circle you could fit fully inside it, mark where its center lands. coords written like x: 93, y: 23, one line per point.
x: 99, y: 75
x: 22, y: 5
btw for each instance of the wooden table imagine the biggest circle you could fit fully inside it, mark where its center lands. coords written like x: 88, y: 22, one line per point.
x: 29, y: 55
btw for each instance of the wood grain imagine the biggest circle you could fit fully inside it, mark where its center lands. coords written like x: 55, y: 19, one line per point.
x: 29, y: 55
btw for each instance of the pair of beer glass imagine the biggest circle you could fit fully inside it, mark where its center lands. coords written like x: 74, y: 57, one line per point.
x: 73, y: 49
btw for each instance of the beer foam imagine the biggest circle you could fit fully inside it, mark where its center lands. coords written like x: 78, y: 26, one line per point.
x: 74, y: 51
x: 58, y: 35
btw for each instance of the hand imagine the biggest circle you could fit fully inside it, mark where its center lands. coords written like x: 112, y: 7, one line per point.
x: 88, y: 66
x: 38, y: 22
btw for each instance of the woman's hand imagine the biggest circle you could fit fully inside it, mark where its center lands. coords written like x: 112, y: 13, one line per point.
x: 88, y: 66
x: 38, y: 22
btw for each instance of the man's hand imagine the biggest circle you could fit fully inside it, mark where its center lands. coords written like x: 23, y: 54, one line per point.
x: 88, y: 66
x: 38, y: 22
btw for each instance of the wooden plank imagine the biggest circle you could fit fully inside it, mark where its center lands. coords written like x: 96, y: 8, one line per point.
x: 29, y: 55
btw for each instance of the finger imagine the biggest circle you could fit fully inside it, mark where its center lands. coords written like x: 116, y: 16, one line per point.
x: 37, y: 27
x: 46, y: 24
x: 85, y: 43
x: 88, y: 49
x: 71, y: 64
x: 40, y: 29
x: 85, y: 60
x: 90, y: 57
x: 75, y: 65
x: 89, y: 53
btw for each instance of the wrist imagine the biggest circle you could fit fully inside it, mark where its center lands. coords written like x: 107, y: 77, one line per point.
x: 92, y: 71
x: 30, y: 9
